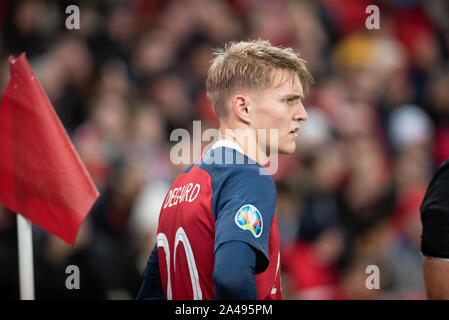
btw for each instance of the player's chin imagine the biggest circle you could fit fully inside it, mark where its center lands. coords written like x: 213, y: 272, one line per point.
x: 288, y: 148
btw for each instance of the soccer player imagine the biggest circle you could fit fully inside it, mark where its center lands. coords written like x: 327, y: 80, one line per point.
x: 217, y: 235
x: 435, y: 236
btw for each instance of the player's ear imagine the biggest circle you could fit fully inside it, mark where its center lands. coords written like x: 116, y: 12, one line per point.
x: 241, y: 108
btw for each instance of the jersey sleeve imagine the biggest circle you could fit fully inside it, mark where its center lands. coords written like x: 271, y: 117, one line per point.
x: 234, y: 270
x: 244, y: 212
x: 151, y: 288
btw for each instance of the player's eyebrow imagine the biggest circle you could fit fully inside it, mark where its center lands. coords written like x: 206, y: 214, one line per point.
x: 293, y: 97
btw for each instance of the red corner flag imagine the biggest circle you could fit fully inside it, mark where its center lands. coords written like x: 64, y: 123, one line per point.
x: 41, y: 175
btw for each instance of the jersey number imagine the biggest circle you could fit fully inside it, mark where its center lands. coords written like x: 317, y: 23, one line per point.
x: 181, y: 236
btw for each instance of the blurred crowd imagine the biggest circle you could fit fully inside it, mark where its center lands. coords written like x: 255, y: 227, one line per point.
x: 349, y: 198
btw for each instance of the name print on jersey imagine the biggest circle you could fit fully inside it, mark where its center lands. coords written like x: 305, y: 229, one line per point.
x: 186, y: 193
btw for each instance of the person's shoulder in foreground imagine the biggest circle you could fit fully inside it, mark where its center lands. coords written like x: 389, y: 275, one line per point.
x: 435, y: 234
x: 229, y: 232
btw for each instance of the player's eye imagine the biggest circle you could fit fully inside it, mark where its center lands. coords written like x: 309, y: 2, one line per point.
x: 289, y: 101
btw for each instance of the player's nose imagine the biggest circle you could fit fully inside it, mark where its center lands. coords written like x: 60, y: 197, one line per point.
x: 301, y: 113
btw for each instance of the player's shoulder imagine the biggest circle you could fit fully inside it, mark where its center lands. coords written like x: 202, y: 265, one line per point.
x: 255, y: 175
x: 228, y: 165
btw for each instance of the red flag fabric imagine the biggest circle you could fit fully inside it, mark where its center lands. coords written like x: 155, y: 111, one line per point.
x: 41, y: 175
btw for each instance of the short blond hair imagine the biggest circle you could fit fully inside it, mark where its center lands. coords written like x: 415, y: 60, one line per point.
x: 249, y: 65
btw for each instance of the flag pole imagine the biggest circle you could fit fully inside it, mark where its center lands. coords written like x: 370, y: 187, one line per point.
x: 26, y: 270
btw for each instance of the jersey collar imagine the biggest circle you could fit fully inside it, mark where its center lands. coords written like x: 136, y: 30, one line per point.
x: 228, y: 144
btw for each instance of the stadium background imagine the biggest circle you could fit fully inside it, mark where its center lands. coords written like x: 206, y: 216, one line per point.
x: 378, y: 127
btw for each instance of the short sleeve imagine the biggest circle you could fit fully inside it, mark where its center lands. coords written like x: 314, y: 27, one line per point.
x: 244, y: 212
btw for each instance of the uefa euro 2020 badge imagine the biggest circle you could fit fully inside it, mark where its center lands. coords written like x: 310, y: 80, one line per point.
x: 249, y: 218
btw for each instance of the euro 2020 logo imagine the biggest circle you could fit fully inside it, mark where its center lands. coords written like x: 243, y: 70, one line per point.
x: 249, y: 218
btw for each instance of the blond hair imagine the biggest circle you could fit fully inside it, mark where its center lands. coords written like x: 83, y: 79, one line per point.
x: 249, y: 65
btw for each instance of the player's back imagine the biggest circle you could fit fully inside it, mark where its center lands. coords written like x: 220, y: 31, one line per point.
x: 186, y: 224
x: 187, y: 236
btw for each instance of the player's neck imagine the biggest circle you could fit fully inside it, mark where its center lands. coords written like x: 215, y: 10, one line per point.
x: 247, y: 140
